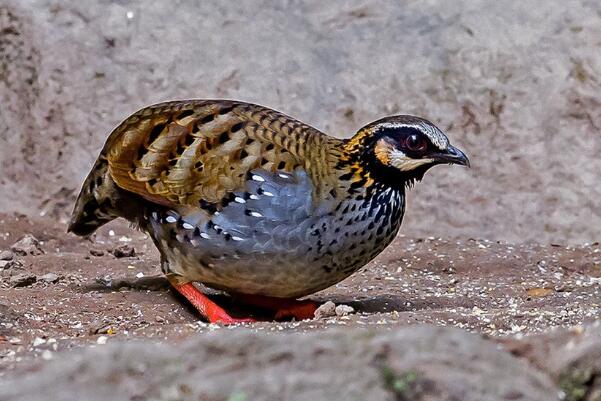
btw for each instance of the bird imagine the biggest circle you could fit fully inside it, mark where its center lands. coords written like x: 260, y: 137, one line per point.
x: 247, y: 200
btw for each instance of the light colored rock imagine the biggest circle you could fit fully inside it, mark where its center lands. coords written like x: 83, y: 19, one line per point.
x: 327, y: 309
x: 343, y: 310
x: 22, y: 280
x: 6, y: 255
x: 27, y: 245
x: 50, y: 278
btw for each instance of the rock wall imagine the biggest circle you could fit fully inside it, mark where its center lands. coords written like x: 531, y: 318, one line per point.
x: 515, y: 84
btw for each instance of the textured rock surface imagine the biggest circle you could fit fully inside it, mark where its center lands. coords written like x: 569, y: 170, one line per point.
x: 418, y: 363
x: 515, y: 83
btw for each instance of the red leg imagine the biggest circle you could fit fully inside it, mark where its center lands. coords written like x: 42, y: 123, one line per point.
x: 207, y: 308
x: 283, y: 307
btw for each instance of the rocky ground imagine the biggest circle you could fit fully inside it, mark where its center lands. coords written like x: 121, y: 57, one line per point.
x: 60, y: 292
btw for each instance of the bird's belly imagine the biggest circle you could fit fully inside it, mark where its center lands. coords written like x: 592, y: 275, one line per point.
x: 284, y: 261
x: 274, y: 240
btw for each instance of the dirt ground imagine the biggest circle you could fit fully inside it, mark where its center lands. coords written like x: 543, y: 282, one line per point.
x: 66, y: 292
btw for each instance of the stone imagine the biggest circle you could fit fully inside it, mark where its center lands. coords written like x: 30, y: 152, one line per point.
x: 27, y: 245
x: 327, y: 309
x: 343, y: 310
x: 124, y: 251
x: 6, y: 255
x: 50, y: 278
x: 22, y: 280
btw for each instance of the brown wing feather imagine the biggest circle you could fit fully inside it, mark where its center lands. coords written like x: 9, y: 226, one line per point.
x: 182, y: 153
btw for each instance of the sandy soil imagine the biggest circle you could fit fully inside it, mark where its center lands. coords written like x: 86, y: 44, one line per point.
x: 67, y: 292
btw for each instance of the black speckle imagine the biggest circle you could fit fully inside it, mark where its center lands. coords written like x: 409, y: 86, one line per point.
x: 189, y: 140
x: 208, y: 206
x: 237, y: 127
x: 358, y: 184
x: 224, y: 137
x: 243, y: 153
x: 281, y: 165
x: 227, y: 236
x: 185, y: 114
x: 269, y: 146
x: 155, y: 132
x: 198, y: 166
x: 207, y: 119
x: 327, y: 269
x: 226, y: 109
x: 347, y: 176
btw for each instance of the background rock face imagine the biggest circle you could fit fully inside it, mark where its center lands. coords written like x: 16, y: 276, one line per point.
x: 515, y: 84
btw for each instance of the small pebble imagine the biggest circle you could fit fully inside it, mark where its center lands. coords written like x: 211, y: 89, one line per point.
x: 22, y: 280
x: 6, y: 255
x: 27, y: 245
x: 102, y: 340
x: 50, y: 278
x: 38, y: 341
x: 327, y: 309
x: 124, y: 251
x: 96, y: 252
x: 343, y: 310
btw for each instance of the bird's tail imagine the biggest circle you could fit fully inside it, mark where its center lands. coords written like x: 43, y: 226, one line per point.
x: 94, y: 206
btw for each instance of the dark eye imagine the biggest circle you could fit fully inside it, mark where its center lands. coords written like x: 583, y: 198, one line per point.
x: 416, y: 143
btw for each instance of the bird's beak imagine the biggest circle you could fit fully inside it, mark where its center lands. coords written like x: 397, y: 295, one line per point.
x: 452, y: 155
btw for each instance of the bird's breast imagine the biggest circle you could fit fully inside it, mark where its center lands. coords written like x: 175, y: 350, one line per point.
x: 274, y: 239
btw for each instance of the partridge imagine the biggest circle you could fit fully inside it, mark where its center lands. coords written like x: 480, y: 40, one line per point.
x: 247, y: 200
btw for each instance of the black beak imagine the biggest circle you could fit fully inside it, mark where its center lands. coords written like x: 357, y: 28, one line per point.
x: 452, y: 155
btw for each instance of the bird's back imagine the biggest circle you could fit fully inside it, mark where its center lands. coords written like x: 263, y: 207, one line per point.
x: 189, y: 154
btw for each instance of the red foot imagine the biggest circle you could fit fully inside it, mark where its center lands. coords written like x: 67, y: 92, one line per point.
x: 283, y: 307
x: 207, y: 308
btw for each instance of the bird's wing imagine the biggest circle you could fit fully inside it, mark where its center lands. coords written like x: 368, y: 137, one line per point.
x: 193, y: 152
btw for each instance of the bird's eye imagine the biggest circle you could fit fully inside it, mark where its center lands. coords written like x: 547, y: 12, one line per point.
x: 416, y: 143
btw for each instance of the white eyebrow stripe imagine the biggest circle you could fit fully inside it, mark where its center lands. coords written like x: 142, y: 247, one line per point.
x: 437, y: 138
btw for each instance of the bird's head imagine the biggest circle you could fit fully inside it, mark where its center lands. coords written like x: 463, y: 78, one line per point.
x: 400, y: 149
